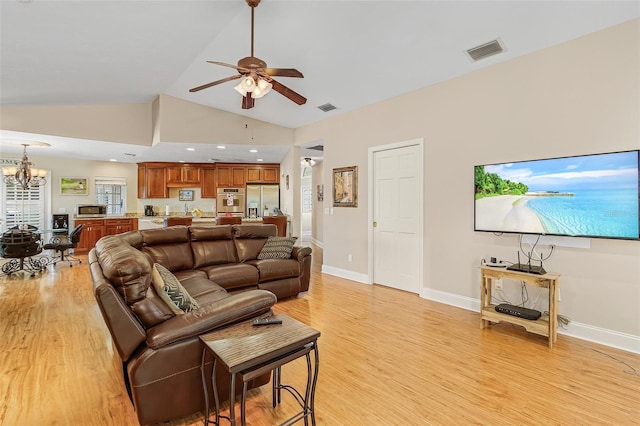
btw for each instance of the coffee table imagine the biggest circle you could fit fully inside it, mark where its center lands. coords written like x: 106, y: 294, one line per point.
x: 247, y: 351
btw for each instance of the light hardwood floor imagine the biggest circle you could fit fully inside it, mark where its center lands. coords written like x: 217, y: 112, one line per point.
x: 386, y: 358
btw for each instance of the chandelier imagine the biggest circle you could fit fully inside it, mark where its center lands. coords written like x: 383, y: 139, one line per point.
x: 23, y: 175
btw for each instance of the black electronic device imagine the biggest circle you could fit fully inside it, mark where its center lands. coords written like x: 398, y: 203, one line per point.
x: 527, y: 267
x: 518, y: 311
x: 266, y: 321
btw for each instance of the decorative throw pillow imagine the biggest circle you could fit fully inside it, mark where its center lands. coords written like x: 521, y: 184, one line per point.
x: 171, y: 291
x: 277, y: 248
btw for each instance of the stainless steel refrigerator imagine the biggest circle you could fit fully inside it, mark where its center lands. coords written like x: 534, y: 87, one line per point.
x: 262, y: 200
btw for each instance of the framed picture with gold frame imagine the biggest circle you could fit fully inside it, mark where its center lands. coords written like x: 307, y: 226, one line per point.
x: 345, y: 187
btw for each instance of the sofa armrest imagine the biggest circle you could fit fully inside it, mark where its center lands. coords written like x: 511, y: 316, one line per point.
x: 237, y: 307
x: 300, y: 252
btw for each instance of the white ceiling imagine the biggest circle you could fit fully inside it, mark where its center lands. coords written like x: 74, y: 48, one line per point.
x: 352, y: 53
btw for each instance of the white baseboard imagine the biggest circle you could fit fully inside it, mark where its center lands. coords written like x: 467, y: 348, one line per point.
x: 317, y: 243
x: 603, y: 336
x: 343, y: 273
x: 612, y: 338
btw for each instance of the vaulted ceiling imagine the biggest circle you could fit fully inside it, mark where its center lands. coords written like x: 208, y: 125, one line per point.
x: 352, y: 53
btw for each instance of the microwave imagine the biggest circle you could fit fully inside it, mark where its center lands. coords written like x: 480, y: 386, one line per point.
x: 92, y: 210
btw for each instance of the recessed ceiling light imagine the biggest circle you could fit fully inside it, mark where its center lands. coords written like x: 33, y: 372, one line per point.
x: 253, y: 150
x: 112, y: 159
x: 191, y: 149
x: 259, y: 159
x: 221, y: 147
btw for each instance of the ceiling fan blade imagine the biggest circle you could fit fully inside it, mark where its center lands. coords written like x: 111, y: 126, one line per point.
x: 283, y: 72
x: 285, y: 91
x: 214, y: 83
x: 247, y: 101
x: 224, y: 64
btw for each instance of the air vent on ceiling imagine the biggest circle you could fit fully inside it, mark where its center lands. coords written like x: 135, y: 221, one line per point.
x: 326, y: 107
x: 485, y: 50
x: 128, y: 154
x: 317, y: 147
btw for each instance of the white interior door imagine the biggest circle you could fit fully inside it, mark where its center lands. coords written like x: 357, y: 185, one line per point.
x: 397, y: 215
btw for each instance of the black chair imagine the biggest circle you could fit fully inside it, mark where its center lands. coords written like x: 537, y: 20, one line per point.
x: 61, y: 246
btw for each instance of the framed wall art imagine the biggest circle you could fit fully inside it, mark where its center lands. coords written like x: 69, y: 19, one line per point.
x: 345, y: 187
x: 185, y: 195
x: 74, y: 186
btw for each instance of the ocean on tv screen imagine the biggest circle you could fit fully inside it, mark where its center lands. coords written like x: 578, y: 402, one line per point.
x: 595, y: 195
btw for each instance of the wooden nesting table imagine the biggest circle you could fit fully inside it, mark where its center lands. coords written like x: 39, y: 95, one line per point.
x: 247, y: 351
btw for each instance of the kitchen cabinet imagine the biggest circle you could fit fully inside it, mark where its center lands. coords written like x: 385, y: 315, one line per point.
x: 118, y: 226
x: 208, y: 182
x: 94, y: 229
x: 231, y: 175
x: 152, y: 180
x: 263, y: 173
x: 183, y: 176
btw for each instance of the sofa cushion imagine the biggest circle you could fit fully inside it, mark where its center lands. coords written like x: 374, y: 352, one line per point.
x: 171, y: 291
x: 212, y: 245
x: 233, y: 275
x: 152, y: 309
x: 169, y: 247
x: 204, y: 290
x: 277, y: 248
x: 128, y: 269
x: 276, y: 269
x: 249, y: 239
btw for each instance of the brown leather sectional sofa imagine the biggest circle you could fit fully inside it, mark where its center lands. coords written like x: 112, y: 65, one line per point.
x: 218, y: 266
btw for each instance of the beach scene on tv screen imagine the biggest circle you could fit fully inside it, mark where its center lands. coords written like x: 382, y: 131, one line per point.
x: 592, y: 195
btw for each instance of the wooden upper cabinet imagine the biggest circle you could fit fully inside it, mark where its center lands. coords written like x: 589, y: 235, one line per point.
x: 152, y: 181
x: 184, y: 175
x: 263, y: 173
x: 270, y: 174
x: 208, y: 184
x: 231, y: 175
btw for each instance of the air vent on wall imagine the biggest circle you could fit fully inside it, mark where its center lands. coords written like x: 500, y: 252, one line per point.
x: 485, y: 50
x: 326, y: 107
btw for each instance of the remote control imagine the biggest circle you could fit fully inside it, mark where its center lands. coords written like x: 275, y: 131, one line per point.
x: 266, y: 321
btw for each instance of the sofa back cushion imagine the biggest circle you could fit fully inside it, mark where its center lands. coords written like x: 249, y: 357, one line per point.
x: 249, y: 239
x: 212, y: 245
x: 169, y: 247
x: 128, y: 269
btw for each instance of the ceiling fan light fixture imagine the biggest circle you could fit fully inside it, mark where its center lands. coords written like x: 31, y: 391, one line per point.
x: 248, y: 84
x: 240, y: 89
x: 261, y: 89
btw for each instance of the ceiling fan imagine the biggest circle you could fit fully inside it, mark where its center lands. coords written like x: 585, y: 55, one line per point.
x: 256, y: 77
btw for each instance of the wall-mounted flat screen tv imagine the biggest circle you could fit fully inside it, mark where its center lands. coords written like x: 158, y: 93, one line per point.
x: 587, y: 196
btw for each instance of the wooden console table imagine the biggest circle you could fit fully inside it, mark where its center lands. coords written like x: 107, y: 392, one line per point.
x: 546, y: 325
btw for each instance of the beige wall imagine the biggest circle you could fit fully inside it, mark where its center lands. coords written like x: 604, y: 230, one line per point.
x: 182, y: 121
x: 123, y: 123
x: 61, y: 167
x: 576, y: 98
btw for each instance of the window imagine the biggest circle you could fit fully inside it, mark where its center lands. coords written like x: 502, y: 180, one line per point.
x: 306, y: 199
x: 112, y: 192
x: 23, y: 206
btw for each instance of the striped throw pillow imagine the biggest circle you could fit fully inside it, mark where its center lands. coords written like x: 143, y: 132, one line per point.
x: 171, y: 291
x: 277, y: 248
